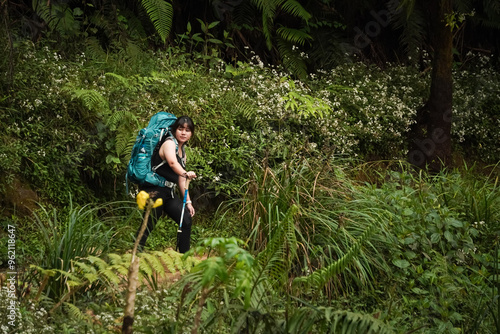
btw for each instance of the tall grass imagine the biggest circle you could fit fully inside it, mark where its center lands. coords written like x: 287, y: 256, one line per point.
x: 328, y: 220
x: 76, y: 234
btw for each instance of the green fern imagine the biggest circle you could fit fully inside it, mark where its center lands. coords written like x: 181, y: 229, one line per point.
x: 291, y: 59
x: 114, y: 269
x: 350, y: 322
x: 411, y: 19
x: 119, y: 78
x: 281, y: 249
x: 294, y: 36
x: 160, y: 13
x: 100, y: 263
x: 180, y: 73
x: 94, y: 49
x: 131, y: 50
x: 89, y: 272
x: 294, y: 8
x: 74, y: 312
x: 135, y: 27
x: 117, y: 117
x: 91, y: 99
x: 320, y: 277
x: 330, y: 320
x: 269, y: 10
x: 248, y: 111
x: 124, y: 142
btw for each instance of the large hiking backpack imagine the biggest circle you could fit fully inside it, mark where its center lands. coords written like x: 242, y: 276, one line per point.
x: 139, y: 169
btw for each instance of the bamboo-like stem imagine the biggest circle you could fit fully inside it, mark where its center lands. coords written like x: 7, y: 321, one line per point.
x: 201, y: 302
x: 133, y: 273
x: 66, y: 297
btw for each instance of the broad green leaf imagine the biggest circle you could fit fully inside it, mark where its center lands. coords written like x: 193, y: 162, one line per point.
x: 410, y: 255
x: 408, y: 240
x: 419, y: 291
x: 454, y: 222
x: 213, y: 24
x: 435, y: 237
x: 449, y: 236
x: 401, y: 263
x: 408, y: 212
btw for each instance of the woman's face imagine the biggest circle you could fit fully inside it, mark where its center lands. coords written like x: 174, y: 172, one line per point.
x: 183, y: 133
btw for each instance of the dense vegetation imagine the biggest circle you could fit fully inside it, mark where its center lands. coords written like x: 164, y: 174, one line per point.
x: 309, y: 219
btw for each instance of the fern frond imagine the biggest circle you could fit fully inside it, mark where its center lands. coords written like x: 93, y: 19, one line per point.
x: 245, y: 12
x: 121, y: 269
x: 330, y: 320
x: 91, y: 99
x: 294, y: 8
x: 160, y: 13
x: 281, y: 250
x: 121, y: 79
x: 88, y: 272
x: 320, y: 277
x: 135, y: 27
x: 110, y: 274
x: 350, y: 322
x: 132, y: 50
x: 72, y: 278
x: 117, y: 117
x: 74, y: 312
x: 101, y: 264
x: 124, y: 143
x: 154, y: 263
x: 248, y: 111
x: 171, y: 261
x: 145, y: 268
x: 412, y: 21
x: 291, y: 60
x: 85, y: 268
x: 189, y: 263
x: 181, y: 73
x: 127, y: 259
x: 294, y: 36
x: 94, y: 49
x: 115, y: 259
x: 268, y: 9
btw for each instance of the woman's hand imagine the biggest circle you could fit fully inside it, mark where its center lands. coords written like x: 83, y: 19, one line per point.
x: 191, y: 209
x: 190, y: 175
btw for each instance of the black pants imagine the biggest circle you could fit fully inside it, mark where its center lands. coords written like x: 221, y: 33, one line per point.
x: 172, y: 206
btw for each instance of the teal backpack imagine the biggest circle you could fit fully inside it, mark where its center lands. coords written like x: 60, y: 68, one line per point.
x: 139, y: 169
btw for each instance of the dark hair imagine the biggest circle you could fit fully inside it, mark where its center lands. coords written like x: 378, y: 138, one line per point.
x: 181, y: 121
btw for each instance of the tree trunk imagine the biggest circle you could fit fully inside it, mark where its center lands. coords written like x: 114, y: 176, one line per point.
x: 430, y: 138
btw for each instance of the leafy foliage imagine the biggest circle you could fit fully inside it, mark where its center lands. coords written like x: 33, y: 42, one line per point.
x: 411, y: 249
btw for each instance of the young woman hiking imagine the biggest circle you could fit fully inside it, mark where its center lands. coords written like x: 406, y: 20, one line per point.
x: 172, y: 151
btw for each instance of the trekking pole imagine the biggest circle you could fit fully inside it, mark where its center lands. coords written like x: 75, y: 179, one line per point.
x: 184, y: 204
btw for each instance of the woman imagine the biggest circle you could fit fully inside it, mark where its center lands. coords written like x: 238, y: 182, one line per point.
x: 174, y: 170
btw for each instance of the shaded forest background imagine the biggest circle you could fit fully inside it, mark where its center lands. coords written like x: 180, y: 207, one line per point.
x: 347, y: 154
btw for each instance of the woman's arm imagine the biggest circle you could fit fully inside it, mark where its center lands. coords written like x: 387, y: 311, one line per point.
x: 182, y: 187
x: 167, y: 152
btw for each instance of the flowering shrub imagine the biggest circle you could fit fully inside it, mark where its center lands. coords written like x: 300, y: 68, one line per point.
x: 476, y: 109
x: 46, y: 137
